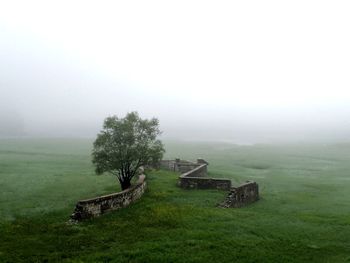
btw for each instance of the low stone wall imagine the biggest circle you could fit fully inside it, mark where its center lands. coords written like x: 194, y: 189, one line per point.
x: 204, y: 183
x: 186, y: 167
x: 194, y: 175
x: 167, y: 165
x: 178, y: 165
x: 196, y: 179
x: 197, y: 171
x: 96, y: 206
x: 242, y: 195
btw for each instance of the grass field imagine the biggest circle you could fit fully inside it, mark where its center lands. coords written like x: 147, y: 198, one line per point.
x: 303, y: 214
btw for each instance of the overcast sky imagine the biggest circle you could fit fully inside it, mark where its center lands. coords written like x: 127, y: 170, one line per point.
x: 244, y: 71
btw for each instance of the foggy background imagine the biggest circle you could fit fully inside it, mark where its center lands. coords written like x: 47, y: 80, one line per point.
x: 238, y: 71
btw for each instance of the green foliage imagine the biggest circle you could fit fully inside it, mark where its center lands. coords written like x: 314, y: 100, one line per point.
x: 126, y: 144
x: 303, y: 214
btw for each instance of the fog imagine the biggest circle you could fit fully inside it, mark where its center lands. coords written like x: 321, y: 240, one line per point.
x: 238, y: 71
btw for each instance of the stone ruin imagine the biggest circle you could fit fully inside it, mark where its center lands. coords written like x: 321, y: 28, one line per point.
x: 242, y: 195
x: 97, y: 206
x: 192, y: 176
x: 195, y: 176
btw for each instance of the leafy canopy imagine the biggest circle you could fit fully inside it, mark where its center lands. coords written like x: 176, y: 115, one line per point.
x: 126, y: 144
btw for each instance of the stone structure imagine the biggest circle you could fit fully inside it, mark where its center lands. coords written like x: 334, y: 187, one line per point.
x: 204, y: 183
x: 85, y: 209
x: 194, y: 176
x: 197, y: 178
x: 178, y: 165
x: 242, y: 195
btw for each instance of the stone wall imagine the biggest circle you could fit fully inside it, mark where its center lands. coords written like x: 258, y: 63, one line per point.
x: 186, y: 167
x: 196, y: 171
x: 167, y: 165
x: 197, y: 179
x: 242, y: 195
x: 194, y: 176
x: 178, y: 165
x: 96, y: 206
x: 204, y: 183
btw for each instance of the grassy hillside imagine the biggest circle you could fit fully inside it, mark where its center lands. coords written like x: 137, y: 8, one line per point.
x: 303, y: 216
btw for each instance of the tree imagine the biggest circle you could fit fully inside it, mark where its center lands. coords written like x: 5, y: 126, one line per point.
x: 126, y: 144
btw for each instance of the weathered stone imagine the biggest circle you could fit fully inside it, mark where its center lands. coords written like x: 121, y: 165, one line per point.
x: 96, y: 206
x: 242, y: 195
x: 194, y: 176
x: 204, y: 183
x: 202, y: 161
x: 178, y: 165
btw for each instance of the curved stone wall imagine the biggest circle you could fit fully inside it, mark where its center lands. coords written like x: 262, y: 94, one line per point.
x: 93, y: 207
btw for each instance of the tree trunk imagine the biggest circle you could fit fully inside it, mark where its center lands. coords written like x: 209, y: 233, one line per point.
x: 125, y: 184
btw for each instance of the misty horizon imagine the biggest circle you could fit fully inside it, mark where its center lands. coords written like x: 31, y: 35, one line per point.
x: 272, y: 72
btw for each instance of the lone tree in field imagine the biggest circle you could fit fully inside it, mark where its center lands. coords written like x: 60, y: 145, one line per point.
x: 126, y: 144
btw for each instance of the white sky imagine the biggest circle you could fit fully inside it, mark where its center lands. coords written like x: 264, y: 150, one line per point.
x: 275, y: 62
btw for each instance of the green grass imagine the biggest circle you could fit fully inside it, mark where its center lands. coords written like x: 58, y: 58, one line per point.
x: 303, y: 214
